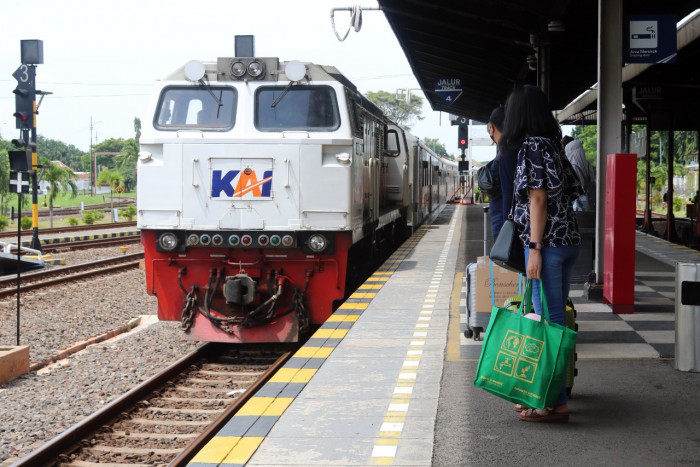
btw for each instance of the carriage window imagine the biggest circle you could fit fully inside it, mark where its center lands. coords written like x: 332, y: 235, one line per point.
x: 212, y: 108
x: 310, y: 108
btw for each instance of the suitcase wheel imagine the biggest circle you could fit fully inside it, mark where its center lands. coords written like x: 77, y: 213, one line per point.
x: 477, y: 332
x: 568, y: 392
x: 468, y: 333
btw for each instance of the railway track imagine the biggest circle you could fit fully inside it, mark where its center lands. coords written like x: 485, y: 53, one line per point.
x: 171, y: 415
x: 85, y: 244
x: 73, y: 228
x: 72, y: 211
x: 38, y: 280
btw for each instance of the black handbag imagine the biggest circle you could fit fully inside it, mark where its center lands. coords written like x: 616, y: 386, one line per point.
x: 507, y: 250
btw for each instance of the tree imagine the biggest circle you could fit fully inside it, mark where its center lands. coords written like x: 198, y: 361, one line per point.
x: 55, y: 150
x: 4, y: 176
x: 438, y: 147
x: 396, y: 109
x: 125, y: 162
x: 137, y: 128
x: 59, y: 180
x: 112, y: 179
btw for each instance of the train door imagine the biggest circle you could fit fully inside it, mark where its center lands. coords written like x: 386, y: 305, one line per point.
x: 373, y: 168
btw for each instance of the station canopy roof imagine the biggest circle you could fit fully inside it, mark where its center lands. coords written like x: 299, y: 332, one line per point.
x: 486, y: 45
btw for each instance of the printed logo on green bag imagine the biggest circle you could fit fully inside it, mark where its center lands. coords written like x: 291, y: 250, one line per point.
x: 519, y: 356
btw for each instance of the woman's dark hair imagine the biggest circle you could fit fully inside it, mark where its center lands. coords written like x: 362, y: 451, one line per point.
x: 497, y: 117
x: 528, y: 114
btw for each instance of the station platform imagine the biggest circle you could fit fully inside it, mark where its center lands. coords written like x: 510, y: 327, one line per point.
x: 388, y: 379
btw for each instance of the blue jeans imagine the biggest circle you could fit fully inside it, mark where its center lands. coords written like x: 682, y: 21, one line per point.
x: 557, y: 269
x: 496, y: 212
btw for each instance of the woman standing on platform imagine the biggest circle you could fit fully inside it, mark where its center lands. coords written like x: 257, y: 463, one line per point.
x: 545, y: 187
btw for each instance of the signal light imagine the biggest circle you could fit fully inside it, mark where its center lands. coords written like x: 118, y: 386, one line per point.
x: 24, y: 108
x: 462, y: 136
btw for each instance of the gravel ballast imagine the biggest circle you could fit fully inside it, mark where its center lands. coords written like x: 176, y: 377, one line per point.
x: 39, y: 405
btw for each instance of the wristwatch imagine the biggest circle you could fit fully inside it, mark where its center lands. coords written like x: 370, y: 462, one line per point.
x: 535, y: 245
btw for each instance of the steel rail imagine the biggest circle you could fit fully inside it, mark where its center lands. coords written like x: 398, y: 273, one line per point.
x: 72, y: 228
x: 198, y: 443
x: 69, y: 273
x: 69, y: 440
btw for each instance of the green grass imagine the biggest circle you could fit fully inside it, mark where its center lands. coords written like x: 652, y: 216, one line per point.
x: 65, y: 201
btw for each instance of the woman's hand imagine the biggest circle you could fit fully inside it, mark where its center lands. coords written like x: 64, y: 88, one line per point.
x: 534, y: 264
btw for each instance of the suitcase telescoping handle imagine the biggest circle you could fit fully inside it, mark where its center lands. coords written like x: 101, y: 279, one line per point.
x: 486, y: 218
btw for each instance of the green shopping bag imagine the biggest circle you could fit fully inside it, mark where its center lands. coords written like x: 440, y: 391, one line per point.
x: 523, y: 360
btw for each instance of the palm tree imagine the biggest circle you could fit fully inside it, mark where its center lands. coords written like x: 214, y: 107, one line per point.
x: 112, y: 179
x: 60, y: 180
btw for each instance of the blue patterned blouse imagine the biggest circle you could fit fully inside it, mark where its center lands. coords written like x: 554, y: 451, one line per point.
x: 542, y: 164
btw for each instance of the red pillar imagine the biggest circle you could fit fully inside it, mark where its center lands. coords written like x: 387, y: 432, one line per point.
x: 620, y: 218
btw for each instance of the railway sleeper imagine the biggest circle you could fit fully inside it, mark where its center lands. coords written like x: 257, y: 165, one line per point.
x: 146, y: 421
x: 171, y: 436
x: 142, y: 452
x: 165, y: 410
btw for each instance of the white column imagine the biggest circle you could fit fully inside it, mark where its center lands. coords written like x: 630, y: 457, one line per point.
x: 609, y: 109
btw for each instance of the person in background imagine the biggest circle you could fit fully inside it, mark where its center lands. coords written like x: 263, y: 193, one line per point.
x: 505, y: 162
x: 494, y: 127
x: 545, y: 188
x: 584, y: 172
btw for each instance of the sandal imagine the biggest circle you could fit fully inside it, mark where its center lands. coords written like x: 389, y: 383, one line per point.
x: 519, y: 408
x: 559, y: 414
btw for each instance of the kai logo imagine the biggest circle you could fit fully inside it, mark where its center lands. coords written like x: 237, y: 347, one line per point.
x: 239, y: 183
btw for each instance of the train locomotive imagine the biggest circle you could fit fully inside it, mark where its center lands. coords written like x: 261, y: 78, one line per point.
x: 265, y: 188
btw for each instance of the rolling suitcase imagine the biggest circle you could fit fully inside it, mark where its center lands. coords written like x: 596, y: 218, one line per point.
x: 474, y: 326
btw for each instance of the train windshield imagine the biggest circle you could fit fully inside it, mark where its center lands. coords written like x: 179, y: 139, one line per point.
x: 206, y: 108
x: 310, y: 108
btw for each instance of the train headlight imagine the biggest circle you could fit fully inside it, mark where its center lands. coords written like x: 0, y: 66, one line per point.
x: 256, y: 69
x: 238, y: 69
x: 317, y: 243
x: 168, y: 241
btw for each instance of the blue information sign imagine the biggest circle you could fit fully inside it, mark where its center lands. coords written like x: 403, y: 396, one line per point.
x: 449, y: 89
x: 650, y: 39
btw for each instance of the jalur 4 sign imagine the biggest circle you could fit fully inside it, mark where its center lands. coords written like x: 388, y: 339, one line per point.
x: 449, y: 89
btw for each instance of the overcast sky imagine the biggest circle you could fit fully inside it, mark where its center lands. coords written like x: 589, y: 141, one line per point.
x: 102, y: 58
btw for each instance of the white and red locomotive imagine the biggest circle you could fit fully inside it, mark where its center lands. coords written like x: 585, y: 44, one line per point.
x: 264, y: 188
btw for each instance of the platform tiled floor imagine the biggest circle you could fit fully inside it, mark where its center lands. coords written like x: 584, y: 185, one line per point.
x: 647, y: 333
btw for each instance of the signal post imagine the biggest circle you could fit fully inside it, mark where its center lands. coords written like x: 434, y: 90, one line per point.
x: 463, y: 163
x: 25, y: 120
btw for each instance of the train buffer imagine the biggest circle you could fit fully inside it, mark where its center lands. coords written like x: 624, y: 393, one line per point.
x: 29, y: 259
